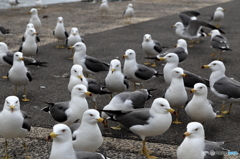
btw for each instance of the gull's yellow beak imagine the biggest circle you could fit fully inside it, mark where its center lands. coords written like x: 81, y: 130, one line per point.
x: 193, y: 90
x: 12, y: 108
x: 53, y: 135
x: 100, y: 120
x: 112, y: 70
x: 205, y: 66
x: 21, y: 58
x: 124, y: 56
x: 80, y: 76
x: 170, y: 110
x: 70, y: 47
x: 184, y: 75
x: 173, y: 26
x: 161, y: 58
x: 187, y: 133
x: 88, y: 93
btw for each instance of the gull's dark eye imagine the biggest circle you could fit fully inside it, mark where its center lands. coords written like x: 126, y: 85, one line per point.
x: 196, y: 129
x: 91, y: 114
x: 75, y: 71
x: 117, y: 66
x: 79, y: 89
x: 161, y: 105
x: 16, y: 102
x: 63, y: 130
x: 169, y: 56
x: 200, y: 87
x: 177, y: 72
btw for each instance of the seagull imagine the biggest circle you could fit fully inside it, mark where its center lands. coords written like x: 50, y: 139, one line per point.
x: 192, y: 146
x: 192, y: 30
x: 223, y: 87
x: 217, y: 17
x: 115, y: 80
x: 29, y: 25
x: 180, y: 50
x: 126, y: 101
x: 38, y: 4
x: 172, y: 62
x: 104, y: 7
x: 146, y: 121
x: 13, y: 2
x: 62, y: 146
x: 176, y: 93
x: 68, y: 112
x: 19, y: 75
x: 73, y: 38
x: 92, y: 85
x: 151, y: 47
x: 6, y: 58
x: 14, y: 123
x: 90, y: 64
x: 135, y: 72
x: 186, y: 17
x: 128, y: 13
x: 29, y: 46
x: 35, y: 19
x: 218, y: 42
x: 88, y: 136
x: 199, y: 108
x: 60, y: 32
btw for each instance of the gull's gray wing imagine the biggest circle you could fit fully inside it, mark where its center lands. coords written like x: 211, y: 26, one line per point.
x: 182, y: 55
x: 157, y: 47
x: 130, y: 118
x: 228, y: 87
x: 26, y: 124
x: 58, y: 110
x: 192, y: 79
x: 93, y: 86
x: 95, y: 65
x: 29, y: 76
x: 185, y: 19
x: 220, y: 42
x: 213, y: 146
x: 8, y: 58
x: 144, y: 72
x: 138, y: 99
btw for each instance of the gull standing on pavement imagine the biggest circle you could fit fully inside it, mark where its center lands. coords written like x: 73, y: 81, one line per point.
x: 60, y: 32
x: 14, y: 123
x: 35, y: 19
x: 104, y: 7
x: 19, y: 75
x: 217, y: 17
x: 151, y: 47
x: 128, y: 13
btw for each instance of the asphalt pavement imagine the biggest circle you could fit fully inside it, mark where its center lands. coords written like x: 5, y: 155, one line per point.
x: 48, y: 85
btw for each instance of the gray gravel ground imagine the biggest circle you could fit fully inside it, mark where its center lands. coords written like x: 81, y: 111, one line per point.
x: 107, y: 38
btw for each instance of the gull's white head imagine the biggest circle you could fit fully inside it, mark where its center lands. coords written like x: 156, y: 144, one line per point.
x: 200, y: 89
x: 31, y: 31
x: 12, y: 104
x: 61, y: 133
x: 91, y: 116
x: 18, y: 56
x: 147, y: 37
x: 60, y: 20
x: 30, y: 25
x: 195, y: 130
x: 74, y: 31
x: 79, y: 46
x: 170, y: 57
x: 129, y: 54
x: 161, y: 105
x: 80, y: 90
x: 130, y: 5
x: 77, y: 71
x: 115, y: 65
x: 181, y: 43
x: 220, y: 9
x: 214, y: 33
x: 215, y: 66
x: 33, y: 11
x: 178, y: 73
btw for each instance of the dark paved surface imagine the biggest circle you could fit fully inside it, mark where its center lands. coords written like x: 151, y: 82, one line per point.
x: 111, y: 44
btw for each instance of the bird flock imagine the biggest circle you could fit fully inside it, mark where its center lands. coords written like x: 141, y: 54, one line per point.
x: 77, y: 134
